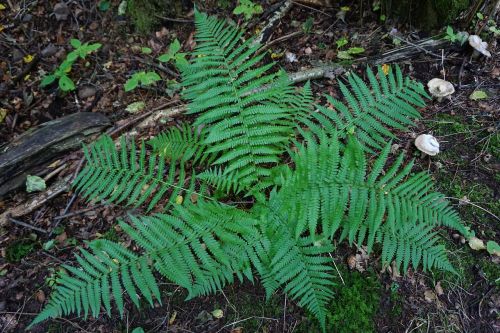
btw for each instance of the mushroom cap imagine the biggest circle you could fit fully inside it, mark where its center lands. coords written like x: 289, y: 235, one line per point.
x: 477, y: 43
x: 428, y: 144
x: 440, y: 88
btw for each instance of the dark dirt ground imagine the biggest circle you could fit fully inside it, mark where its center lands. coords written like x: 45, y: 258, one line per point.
x: 467, y: 171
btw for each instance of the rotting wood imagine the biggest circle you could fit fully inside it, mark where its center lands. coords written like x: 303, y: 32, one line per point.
x: 40, y: 145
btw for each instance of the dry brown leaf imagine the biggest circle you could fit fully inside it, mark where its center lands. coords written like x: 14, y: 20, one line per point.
x: 430, y: 296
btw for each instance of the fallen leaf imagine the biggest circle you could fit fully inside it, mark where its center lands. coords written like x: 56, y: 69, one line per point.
x: 35, y: 183
x: 172, y: 318
x: 135, y: 107
x: 28, y: 58
x: 439, y: 289
x: 179, y: 199
x: 40, y: 296
x: 477, y: 95
x: 493, y: 248
x: 476, y: 244
x: 430, y: 296
x: 218, y: 313
x: 2, y: 6
x: 3, y: 114
x: 385, y: 69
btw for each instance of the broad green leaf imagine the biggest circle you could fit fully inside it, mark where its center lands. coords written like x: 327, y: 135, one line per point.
x: 165, y: 57
x: 146, y: 50
x: 66, y: 84
x: 35, y: 183
x: 175, y: 46
x: 150, y: 78
x: 47, y: 80
x: 477, y: 95
x: 75, y: 43
x: 355, y: 50
x: 72, y: 56
x: 131, y: 83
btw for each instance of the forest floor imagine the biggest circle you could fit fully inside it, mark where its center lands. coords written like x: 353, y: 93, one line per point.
x: 33, y: 43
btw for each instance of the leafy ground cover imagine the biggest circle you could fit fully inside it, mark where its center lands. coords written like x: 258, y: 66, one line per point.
x: 34, y: 44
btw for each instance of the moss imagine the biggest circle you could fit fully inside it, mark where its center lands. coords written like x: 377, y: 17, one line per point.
x: 146, y: 14
x: 111, y: 235
x: 18, y: 250
x: 354, y: 306
x: 425, y: 14
x: 251, y: 306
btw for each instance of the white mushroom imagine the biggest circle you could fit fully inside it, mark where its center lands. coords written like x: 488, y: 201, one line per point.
x: 428, y: 144
x: 440, y: 88
x: 479, y: 46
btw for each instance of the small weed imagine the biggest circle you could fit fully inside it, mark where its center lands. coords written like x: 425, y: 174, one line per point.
x: 61, y: 73
x: 247, y: 8
x: 18, y: 250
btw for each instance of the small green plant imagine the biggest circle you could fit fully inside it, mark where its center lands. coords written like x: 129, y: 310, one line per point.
x: 18, y: 250
x: 61, y: 73
x: 247, y: 8
x: 174, y: 55
x: 308, y: 25
x: 341, y: 42
x: 455, y: 37
x: 347, y: 54
x: 141, y: 79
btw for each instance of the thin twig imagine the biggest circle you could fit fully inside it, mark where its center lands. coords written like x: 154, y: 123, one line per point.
x: 26, y: 225
x: 334, y: 264
x: 473, y: 204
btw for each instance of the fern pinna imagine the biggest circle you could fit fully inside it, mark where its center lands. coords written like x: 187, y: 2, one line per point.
x: 328, y: 190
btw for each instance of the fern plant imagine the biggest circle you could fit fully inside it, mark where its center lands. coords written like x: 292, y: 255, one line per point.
x: 248, y: 122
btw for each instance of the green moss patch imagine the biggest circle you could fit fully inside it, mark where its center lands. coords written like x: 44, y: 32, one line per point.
x: 18, y: 250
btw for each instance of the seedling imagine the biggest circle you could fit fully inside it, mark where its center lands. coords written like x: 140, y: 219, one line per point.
x: 455, y: 37
x: 141, y: 78
x: 174, y: 55
x: 65, y: 82
x: 247, y: 8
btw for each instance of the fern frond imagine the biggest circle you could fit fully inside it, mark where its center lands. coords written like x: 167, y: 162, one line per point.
x: 246, y: 125
x: 330, y: 189
x: 200, y: 247
x: 415, y: 244
x: 125, y: 175
x: 388, y: 102
x: 184, y: 144
x: 103, y: 275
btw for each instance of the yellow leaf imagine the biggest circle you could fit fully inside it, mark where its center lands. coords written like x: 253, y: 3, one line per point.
x: 1, y: 28
x: 2, y: 6
x: 3, y: 114
x: 179, y: 199
x: 172, y: 318
x: 27, y: 77
x: 385, y: 69
x: 345, y: 8
x: 276, y: 55
x: 27, y: 59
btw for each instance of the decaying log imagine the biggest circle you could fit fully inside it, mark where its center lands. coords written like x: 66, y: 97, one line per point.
x: 40, y: 199
x: 38, y: 146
